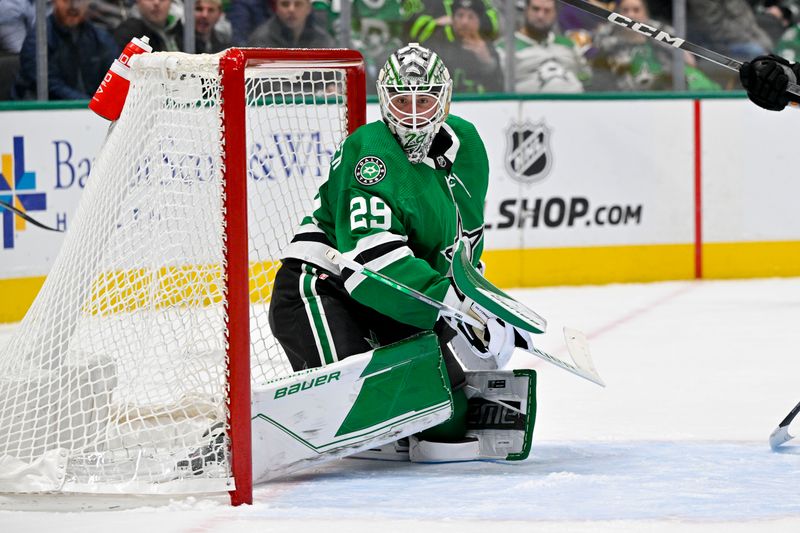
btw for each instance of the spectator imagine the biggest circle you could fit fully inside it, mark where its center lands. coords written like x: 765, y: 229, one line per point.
x: 109, y: 14
x: 291, y: 27
x: 571, y: 18
x: 152, y: 18
x: 789, y: 43
x: 78, y: 54
x: 207, y: 39
x: 471, y: 58
x: 245, y: 16
x: 16, y: 22
x: 546, y: 61
x: 435, y: 21
x: 659, y: 11
x: 578, y: 25
x: 378, y: 28
x: 326, y: 14
x: 728, y: 27
x: 629, y: 61
x: 776, y: 16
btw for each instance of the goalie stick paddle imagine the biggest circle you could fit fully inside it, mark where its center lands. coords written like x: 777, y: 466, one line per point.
x: 478, y: 289
x: 577, y: 346
x: 665, y: 38
x: 781, y: 433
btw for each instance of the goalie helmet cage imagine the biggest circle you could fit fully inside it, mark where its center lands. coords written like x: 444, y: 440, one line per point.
x: 132, y: 371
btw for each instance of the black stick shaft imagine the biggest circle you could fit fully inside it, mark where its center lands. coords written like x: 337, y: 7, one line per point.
x: 792, y: 414
x: 26, y: 217
x: 665, y: 38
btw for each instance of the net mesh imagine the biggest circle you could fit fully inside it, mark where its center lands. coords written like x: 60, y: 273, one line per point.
x: 115, y: 381
x: 293, y: 132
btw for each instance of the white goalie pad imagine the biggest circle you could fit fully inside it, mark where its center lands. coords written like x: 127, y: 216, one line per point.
x: 501, y: 414
x: 364, y: 401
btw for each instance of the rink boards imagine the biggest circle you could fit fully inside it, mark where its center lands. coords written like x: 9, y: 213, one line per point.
x: 582, y: 190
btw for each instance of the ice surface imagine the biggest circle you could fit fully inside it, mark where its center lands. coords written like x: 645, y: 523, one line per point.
x: 698, y: 375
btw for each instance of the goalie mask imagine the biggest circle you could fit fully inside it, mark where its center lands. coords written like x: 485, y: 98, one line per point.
x: 414, y: 91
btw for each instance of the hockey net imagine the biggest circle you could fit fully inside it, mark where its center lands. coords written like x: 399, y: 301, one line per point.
x: 131, y: 372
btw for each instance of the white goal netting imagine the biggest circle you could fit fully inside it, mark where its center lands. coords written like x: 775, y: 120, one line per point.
x: 116, y: 379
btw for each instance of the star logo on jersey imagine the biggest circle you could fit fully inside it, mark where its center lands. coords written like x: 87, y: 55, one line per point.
x: 528, y: 155
x: 473, y: 236
x: 643, y: 76
x: 370, y: 170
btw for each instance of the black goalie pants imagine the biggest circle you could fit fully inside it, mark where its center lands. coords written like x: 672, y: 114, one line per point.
x: 318, y: 323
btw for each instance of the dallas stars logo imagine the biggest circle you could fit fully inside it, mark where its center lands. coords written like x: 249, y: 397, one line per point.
x: 474, y: 236
x: 370, y: 170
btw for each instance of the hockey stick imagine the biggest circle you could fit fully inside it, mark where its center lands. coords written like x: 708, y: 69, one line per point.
x: 667, y: 39
x: 575, y: 340
x: 781, y: 433
x: 23, y: 215
x: 443, y: 308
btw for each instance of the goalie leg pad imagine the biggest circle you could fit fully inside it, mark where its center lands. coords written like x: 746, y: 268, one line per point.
x: 501, y: 414
x: 361, y: 402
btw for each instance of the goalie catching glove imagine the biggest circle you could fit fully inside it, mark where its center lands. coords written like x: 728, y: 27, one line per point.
x: 495, y: 340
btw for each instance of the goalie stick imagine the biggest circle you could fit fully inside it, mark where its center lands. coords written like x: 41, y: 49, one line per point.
x: 443, y: 308
x: 666, y: 39
x: 577, y: 346
x: 781, y: 433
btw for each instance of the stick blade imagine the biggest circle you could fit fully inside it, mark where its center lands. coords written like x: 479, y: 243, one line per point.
x: 578, y: 348
x: 779, y: 436
x: 781, y: 433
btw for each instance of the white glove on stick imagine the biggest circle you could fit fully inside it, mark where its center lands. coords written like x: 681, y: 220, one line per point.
x: 496, y: 340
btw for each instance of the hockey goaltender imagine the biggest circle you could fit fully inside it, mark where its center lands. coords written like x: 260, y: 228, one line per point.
x: 398, y: 342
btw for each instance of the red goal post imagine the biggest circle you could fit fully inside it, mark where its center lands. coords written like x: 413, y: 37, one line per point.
x: 232, y: 69
x: 132, y: 371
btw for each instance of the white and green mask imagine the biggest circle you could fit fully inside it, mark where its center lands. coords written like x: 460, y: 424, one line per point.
x: 414, y: 90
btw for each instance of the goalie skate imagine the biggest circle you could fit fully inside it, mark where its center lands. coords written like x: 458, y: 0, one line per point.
x: 393, y: 451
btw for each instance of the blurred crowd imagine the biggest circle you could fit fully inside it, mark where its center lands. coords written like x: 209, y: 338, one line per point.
x: 556, y: 48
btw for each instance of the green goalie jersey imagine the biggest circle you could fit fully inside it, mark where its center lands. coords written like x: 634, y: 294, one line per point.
x: 398, y: 218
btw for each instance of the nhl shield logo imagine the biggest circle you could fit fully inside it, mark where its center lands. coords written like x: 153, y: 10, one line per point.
x: 528, y: 155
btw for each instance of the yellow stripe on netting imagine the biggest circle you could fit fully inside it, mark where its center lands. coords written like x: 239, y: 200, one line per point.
x: 262, y: 276
x: 173, y: 286
x: 136, y: 289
